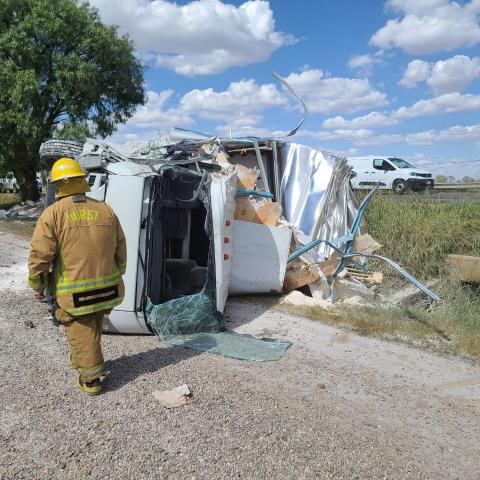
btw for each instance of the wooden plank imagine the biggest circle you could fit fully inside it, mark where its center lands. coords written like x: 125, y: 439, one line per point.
x: 371, y: 277
x: 299, y: 276
x: 464, y: 267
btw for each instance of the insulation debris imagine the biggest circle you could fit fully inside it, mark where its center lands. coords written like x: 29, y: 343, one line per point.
x: 178, y: 397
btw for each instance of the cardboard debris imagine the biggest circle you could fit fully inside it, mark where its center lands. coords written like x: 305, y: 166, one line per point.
x: 246, y: 177
x: 222, y: 157
x: 365, y: 244
x: 249, y: 209
x: 465, y: 268
x: 299, y: 275
x: 329, y: 266
x: 178, y: 397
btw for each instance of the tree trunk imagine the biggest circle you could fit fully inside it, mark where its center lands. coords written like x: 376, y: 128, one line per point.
x: 28, y: 173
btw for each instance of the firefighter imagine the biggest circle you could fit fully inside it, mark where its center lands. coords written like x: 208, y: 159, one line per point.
x: 79, y: 254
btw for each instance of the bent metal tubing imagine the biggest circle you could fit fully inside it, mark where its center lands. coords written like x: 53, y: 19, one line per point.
x: 400, y: 270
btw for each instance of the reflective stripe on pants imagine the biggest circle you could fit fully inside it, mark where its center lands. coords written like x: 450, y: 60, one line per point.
x: 84, y: 335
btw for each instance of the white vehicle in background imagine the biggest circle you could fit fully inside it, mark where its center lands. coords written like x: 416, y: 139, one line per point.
x: 388, y: 173
x: 9, y: 184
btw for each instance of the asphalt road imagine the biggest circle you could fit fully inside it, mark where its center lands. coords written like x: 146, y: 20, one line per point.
x: 336, y: 406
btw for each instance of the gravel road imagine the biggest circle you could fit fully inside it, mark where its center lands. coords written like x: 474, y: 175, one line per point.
x: 337, y: 405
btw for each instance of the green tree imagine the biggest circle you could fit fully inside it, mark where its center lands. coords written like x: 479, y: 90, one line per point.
x: 468, y: 179
x: 60, y: 64
x: 73, y: 131
x: 440, y: 179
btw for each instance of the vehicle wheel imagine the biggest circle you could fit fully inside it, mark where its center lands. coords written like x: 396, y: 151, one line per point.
x: 400, y: 186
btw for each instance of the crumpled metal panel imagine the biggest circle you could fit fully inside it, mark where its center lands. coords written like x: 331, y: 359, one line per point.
x: 316, y: 196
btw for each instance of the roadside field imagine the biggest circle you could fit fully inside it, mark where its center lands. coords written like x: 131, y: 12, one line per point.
x: 419, y: 235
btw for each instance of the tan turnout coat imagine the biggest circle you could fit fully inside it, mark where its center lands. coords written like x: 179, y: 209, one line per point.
x: 79, y: 252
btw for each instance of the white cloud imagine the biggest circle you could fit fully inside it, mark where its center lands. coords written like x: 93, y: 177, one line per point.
x: 244, y: 98
x: 443, y: 104
x: 369, y: 137
x: 456, y: 133
x: 371, y: 120
x: 358, y: 137
x: 445, y: 76
x: 239, y: 108
x: 454, y: 74
x: 154, y: 114
x: 429, y: 26
x: 417, y: 71
x: 364, y: 63
x: 199, y: 38
x: 447, y: 103
x: 333, y: 95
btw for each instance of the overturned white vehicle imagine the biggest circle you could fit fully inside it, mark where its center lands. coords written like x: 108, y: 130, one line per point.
x: 206, y: 217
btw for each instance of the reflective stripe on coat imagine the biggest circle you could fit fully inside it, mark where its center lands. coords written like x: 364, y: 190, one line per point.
x: 79, y: 251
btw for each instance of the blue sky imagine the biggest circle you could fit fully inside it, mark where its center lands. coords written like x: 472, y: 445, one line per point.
x: 396, y: 77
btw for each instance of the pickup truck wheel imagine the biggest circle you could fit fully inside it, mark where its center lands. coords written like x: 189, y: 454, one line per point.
x: 400, y: 186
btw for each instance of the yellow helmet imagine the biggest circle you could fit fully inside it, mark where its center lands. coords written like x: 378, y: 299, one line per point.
x: 66, y: 168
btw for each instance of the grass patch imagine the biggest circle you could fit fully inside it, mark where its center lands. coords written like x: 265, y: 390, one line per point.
x: 419, y: 234
x: 451, y: 327
x: 7, y: 200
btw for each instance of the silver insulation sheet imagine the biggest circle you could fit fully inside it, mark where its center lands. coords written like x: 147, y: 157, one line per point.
x: 316, y: 195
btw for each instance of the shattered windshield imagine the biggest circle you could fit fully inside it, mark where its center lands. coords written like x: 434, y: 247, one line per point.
x: 400, y: 163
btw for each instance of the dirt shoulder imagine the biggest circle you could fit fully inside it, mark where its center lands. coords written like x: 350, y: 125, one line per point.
x: 337, y: 405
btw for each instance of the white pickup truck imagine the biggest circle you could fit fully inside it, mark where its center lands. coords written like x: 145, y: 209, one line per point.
x: 9, y: 184
x: 388, y: 173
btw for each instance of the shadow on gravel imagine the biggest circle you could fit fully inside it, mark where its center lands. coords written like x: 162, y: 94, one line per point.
x: 125, y: 369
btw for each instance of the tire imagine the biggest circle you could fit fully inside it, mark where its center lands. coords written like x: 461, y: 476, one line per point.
x: 400, y: 186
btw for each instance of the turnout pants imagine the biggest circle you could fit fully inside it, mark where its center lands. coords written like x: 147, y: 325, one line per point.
x: 84, y: 334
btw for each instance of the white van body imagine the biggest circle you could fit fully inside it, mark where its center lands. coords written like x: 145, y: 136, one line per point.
x: 388, y: 172
x: 9, y: 184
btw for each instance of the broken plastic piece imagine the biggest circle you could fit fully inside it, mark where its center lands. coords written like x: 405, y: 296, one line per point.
x: 178, y: 397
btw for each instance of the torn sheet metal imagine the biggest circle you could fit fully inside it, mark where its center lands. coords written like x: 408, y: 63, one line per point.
x: 299, y: 99
x: 316, y: 196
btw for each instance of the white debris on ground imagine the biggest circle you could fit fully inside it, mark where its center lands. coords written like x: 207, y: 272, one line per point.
x: 177, y: 397
x: 25, y: 210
